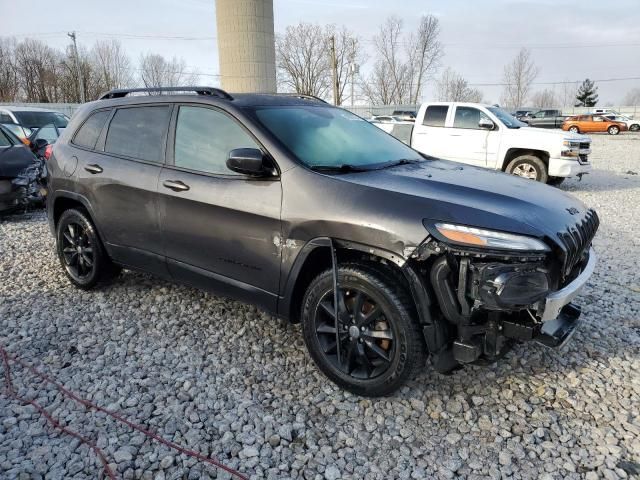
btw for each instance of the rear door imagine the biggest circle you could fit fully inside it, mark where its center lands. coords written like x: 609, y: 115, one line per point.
x: 467, y: 141
x: 120, y: 175
x: 429, y: 132
x: 221, y: 229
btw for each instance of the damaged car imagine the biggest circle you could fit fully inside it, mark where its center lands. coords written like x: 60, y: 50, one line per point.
x: 22, y: 174
x: 387, y: 257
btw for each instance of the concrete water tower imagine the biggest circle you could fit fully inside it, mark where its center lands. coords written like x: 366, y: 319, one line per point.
x: 246, y: 45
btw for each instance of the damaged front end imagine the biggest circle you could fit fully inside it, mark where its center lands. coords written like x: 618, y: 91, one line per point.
x: 490, y: 297
x: 26, y: 189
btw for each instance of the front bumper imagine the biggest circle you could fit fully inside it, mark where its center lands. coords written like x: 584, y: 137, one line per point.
x: 556, y: 300
x: 564, y: 167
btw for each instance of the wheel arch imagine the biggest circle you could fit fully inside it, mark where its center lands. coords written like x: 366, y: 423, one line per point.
x: 513, y: 153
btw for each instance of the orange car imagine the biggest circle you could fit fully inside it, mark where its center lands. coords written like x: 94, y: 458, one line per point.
x: 593, y: 123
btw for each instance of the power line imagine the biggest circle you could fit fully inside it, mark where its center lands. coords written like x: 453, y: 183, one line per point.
x: 564, y: 82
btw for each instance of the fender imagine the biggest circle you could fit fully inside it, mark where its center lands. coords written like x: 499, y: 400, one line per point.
x: 58, y: 194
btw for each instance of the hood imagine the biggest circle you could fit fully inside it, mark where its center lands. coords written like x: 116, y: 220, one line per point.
x: 14, y: 160
x: 451, y: 192
x: 549, y: 133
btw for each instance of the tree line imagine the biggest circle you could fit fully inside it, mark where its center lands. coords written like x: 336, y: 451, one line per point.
x: 32, y: 71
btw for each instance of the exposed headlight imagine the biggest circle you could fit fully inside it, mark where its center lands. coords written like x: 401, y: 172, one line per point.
x: 570, y: 148
x: 479, y: 237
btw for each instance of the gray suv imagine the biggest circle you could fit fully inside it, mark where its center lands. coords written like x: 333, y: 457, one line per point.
x: 387, y: 257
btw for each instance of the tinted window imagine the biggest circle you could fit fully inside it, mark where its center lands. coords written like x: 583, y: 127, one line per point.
x: 40, y: 119
x: 468, y: 117
x: 139, y: 132
x: 204, y: 138
x: 89, y: 132
x: 5, y: 118
x: 4, y: 140
x: 435, y: 115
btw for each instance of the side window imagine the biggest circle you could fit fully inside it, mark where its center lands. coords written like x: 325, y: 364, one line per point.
x: 4, y: 140
x: 598, y: 118
x: 88, y: 133
x: 49, y: 133
x: 139, y: 132
x: 204, y: 138
x: 5, y: 118
x: 435, y: 115
x: 468, y: 117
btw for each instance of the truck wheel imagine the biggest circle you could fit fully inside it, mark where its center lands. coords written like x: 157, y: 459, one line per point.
x: 555, y: 181
x: 574, y: 129
x: 613, y: 130
x: 378, y: 345
x: 81, y: 252
x: 528, y: 166
x: 634, y: 128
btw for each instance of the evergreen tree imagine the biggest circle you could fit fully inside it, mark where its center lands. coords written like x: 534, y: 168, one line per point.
x: 587, y: 95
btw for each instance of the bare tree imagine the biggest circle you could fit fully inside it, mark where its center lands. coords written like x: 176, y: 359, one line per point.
x: 157, y: 71
x: 632, y: 97
x: 8, y: 74
x: 452, y: 87
x: 349, y: 54
x: 391, y: 64
x: 37, y: 71
x: 566, y: 93
x: 112, y: 65
x: 518, y: 77
x: 303, y: 60
x: 424, y: 53
x: 544, y: 98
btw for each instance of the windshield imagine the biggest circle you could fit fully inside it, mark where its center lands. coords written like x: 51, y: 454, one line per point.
x: 33, y: 119
x: 20, y: 132
x: 506, y: 118
x: 332, y: 137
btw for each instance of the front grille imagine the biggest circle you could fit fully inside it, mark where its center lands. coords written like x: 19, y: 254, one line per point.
x: 585, y: 145
x: 577, y: 239
x: 582, y: 158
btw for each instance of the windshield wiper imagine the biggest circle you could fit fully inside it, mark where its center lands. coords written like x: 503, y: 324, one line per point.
x: 402, y: 161
x: 345, y: 168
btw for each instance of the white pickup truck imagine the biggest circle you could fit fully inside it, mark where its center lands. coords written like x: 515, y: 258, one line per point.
x: 489, y: 137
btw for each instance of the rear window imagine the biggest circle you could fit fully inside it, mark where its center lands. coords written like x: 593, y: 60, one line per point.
x: 139, y: 132
x: 88, y: 134
x: 435, y: 115
x: 40, y: 119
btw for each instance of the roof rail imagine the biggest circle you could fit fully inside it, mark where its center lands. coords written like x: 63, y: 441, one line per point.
x: 123, y: 92
x: 305, y: 96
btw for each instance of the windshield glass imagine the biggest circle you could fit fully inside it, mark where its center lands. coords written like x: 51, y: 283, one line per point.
x: 21, y: 132
x: 40, y: 119
x: 332, y: 137
x: 506, y: 118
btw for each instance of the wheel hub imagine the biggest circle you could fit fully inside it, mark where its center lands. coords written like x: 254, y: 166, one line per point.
x: 354, y: 333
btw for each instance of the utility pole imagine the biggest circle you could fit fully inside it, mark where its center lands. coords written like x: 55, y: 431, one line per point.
x: 334, y: 70
x: 72, y: 36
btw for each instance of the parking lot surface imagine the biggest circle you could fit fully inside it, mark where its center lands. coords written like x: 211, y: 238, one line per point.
x: 225, y: 379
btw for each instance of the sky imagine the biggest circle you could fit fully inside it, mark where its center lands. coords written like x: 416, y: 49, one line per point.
x: 569, y: 39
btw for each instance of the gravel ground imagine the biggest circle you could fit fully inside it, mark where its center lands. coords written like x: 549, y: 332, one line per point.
x: 228, y: 380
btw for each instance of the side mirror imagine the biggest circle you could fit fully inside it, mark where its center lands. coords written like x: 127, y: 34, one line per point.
x: 248, y: 161
x: 39, y: 143
x: 486, y: 124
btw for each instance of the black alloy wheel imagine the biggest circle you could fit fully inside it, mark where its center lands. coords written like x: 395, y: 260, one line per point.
x: 376, y: 344
x: 366, y: 340
x: 77, y: 251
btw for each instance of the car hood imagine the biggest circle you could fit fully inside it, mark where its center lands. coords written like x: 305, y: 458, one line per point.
x: 451, y: 192
x: 548, y: 133
x: 13, y: 161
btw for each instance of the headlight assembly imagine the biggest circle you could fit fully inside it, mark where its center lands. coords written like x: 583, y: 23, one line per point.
x: 479, y: 237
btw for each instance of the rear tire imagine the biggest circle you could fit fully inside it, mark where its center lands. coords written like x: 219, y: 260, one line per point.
x: 574, y: 129
x: 381, y: 344
x: 80, y: 251
x: 613, y: 130
x: 528, y: 166
x: 634, y: 128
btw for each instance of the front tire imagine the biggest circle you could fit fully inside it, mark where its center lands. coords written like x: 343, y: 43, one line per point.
x: 634, y: 128
x: 613, y: 130
x: 80, y: 250
x: 555, y: 181
x: 574, y: 129
x: 528, y: 166
x: 378, y: 345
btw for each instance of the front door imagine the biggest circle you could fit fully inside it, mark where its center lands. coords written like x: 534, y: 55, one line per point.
x: 220, y: 228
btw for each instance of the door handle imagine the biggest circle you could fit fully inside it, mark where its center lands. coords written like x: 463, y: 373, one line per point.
x: 175, y: 185
x: 93, y: 169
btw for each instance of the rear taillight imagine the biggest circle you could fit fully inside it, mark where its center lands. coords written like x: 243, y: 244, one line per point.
x: 48, y: 151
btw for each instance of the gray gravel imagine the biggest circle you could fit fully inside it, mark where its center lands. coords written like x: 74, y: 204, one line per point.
x: 226, y: 379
